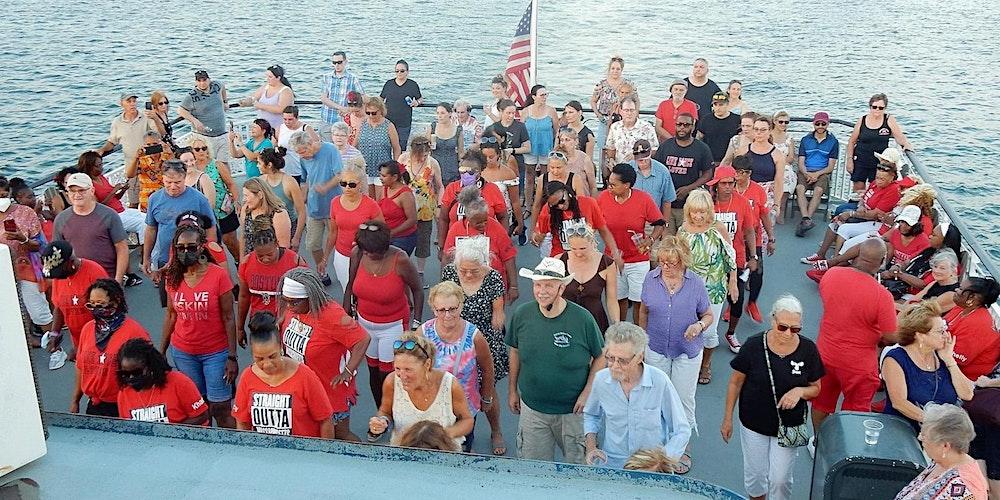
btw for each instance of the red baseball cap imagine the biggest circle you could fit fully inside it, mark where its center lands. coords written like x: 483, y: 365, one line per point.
x: 721, y: 172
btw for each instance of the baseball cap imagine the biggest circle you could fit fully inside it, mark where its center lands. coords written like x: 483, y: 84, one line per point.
x: 822, y: 116
x: 54, y: 255
x: 720, y: 97
x: 678, y: 82
x: 79, y: 180
x: 200, y: 74
x: 641, y: 146
x: 128, y: 95
x: 721, y: 172
x: 910, y: 215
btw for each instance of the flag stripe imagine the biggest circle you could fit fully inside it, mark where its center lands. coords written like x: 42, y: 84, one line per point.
x: 519, y: 70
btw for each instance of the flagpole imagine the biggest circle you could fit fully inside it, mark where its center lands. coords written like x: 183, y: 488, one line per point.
x: 534, y: 41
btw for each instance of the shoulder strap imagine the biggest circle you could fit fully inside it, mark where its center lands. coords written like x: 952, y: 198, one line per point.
x: 774, y: 393
x: 433, y: 126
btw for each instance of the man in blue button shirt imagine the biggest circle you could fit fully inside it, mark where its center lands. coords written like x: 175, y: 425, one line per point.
x: 652, y: 177
x: 321, y: 166
x: 818, y: 152
x: 634, y: 403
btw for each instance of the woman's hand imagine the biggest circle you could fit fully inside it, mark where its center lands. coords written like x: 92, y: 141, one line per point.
x: 947, y: 351
x: 74, y: 407
x: 734, y: 288
x: 790, y: 399
x: 726, y: 429
x: 693, y: 330
x: 378, y: 425
x: 231, y: 371
x: 537, y: 238
x: 512, y: 295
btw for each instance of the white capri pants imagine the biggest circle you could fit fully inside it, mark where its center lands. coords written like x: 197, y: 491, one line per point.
x: 683, y: 373
x: 711, y: 334
x: 133, y: 221
x: 852, y: 229
x: 383, y: 335
x: 630, y: 280
x: 35, y: 303
x: 767, y: 467
x: 342, y: 268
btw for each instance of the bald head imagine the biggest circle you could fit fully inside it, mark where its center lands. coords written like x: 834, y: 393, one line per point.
x: 871, y: 255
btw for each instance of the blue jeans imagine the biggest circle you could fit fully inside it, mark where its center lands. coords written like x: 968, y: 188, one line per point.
x: 404, y: 136
x: 405, y: 243
x: 843, y: 207
x: 207, y: 371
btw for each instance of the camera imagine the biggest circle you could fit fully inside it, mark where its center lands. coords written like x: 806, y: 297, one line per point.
x: 149, y: 105
x: 153, y: 149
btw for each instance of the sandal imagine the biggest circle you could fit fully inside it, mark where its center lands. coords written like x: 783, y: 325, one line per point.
x: 705, y: 375
x: 499, y: 446
x: 684, y: 464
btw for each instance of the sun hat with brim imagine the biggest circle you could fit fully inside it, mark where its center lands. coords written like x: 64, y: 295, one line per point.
x: 721, y: 172
x: 891, y: 155
x: 550, y: 268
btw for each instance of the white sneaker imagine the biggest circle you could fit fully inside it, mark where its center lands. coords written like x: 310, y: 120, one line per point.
x: 734, y: 344
x: 812, y: 259
x: 811, y: 446
x: 57, y: 359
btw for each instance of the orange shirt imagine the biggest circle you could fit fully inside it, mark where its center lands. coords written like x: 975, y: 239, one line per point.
x: 69, y: 295
x: 178, y: 400
x: 97, y: 370
x: 296, y: 407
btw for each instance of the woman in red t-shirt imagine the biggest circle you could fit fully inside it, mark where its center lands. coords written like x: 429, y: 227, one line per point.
x: 384, y: 285
x: 71, y: 276
x: 100, y: 342
x: 477, y: 221
x: 398, y: 205
x: 260, y: 274
x: 199, y: 322
x: 318, y: 332
x: 562, y: 205
x: 977, y: 343
x: 470, y: 171
x: 152, y: 391
x: 277, y: 394
x: 347, y: 211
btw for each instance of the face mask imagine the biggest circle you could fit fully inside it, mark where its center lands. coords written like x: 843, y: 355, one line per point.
x: 5, y: 203
x: 467, y: 179
x: 60, y: 272
x: 139, y: 382
x: 103, y: 312
x: 188, y: 258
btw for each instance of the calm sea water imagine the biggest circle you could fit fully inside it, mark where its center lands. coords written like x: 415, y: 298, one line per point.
x: 66, y: 63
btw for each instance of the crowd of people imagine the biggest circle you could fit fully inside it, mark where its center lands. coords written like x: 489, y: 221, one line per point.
x: 684, y: 215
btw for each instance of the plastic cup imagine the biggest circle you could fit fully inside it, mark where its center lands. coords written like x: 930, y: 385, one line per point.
x: 872, y: 430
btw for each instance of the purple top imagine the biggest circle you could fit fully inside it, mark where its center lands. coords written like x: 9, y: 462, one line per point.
x: 670, y: 315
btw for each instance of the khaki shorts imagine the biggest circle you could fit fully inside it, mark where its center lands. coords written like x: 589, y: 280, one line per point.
x: 316, y: 233
x: 538, y: 435
x: 822, y: 183
x: 676, y: 219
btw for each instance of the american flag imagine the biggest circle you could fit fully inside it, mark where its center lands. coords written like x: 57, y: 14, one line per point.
x: 519, y: 70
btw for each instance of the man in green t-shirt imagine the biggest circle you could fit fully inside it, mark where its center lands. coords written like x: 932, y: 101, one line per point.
x: 555, y: 351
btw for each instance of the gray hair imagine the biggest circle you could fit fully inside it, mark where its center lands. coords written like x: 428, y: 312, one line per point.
x: 463, y: 103
x: 153, y: 134
x: 787, y: 303
x: 301, y: 139
x: 337, y: 127
x: 945, y: 255
x: 473, y: 249
x: 627, y: 333
x: 353, y: 168
x: 470, y: 198
x: 318, y: 299
x: 947, y: 424
x: 632, y: 98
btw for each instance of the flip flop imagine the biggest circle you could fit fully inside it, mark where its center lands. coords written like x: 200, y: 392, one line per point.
x: 499, y: 447
x: 705, y: 376
x: 683, y: 465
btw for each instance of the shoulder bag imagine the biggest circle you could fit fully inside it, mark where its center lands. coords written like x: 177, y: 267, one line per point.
x: 788, y: 437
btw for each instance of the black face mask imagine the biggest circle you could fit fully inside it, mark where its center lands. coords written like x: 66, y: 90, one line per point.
x: 139, y: 382
x: 188, y: 258
x: 103, y: 312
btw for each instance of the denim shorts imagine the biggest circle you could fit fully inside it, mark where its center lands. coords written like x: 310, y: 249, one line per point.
x: 207, y: 371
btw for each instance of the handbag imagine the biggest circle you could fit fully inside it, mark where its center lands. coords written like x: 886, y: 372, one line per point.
x: 788, y: 437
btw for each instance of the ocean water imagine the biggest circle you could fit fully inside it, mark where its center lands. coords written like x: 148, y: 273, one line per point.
x: 66, y: 63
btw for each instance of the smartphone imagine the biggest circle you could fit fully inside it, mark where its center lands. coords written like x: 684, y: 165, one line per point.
x: 149, y: 105
x: 152, y: 150
x: 10, y: 226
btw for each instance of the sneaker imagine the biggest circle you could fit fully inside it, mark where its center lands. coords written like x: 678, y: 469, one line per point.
x: 734, y: 344
x: 811, y: 446
x: 326, y: 279
x: 754, y: 312
x: 808, y: 223
x: 810, y: 259
x: 57, y: 359
x: 815, y: 274
x: 800, y: 231
x: 522, y: 238
x: 132, y: 279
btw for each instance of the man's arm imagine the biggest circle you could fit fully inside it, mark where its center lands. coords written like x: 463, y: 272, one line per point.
x: 121, y: 260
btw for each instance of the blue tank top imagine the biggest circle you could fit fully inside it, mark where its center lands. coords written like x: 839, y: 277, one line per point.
x: 922, y: 386
x: 540, y: 134
x: 763, y: 166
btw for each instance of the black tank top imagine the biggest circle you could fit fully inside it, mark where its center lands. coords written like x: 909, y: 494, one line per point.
x: 763, y: 166
x: 871, y: 141
x: 545, y: 185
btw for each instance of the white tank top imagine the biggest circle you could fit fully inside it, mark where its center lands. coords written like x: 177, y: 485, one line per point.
x: 404, y: 414
x: 274, y: 119
x: 292, y: 164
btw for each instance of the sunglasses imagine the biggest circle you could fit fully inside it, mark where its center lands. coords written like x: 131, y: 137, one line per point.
x: 640, y: 154
x: 132, y: 374
x: 563, y: 200
x: 542, y: 94
x: 205, y: 148
x: 338, y: 62
x: 884, y: 168
x: 558, y: 154
x: 409, y: 345
x: 744, y: 171
x: 579, y: 230
x: 400, y: 71
x: 371, y: 113
x: 784, y: 122
x: 784, y: 328
x: 91, y: 306
x: 368, y: 227
x: 668, y: 263
x: 444, y: 311
x: 164, y: 103
x: 878, y: 107
x: 619, y: 361
x: 351, y: 185
x: 820, y: 124
x: 190, y: 247
x: 684, y: 124
x: 489, y: 140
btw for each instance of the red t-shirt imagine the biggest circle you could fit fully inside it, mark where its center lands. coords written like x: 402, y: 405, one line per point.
x: 856, y: 311
x: 69, y: 295
x: 903, y: 253
x: 262, y: 280
x: 629, y: 221
x: 347, y: 221
x: 394, y: 214
x: 199, y: 328
x: 667, y: 114
x: 757, y: 198
x: 324, y: 344
x: 737, y: 215
x: 296, y: 407
x: 884, y: 199
x: 178, y: 400
x: 103, y: 189
x: 977, y: 343
x: 501, y: 248
x: 588, y: 210
x: 98, y: 370
x: 491, y: 195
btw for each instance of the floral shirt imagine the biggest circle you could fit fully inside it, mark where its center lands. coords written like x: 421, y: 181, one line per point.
x: 964, y: 482
x: 150, y: 172
x: 712, y: 258
x: 607, y: 95
x: 622, y: 139
x: 424, y: 193
x: 27, y: 223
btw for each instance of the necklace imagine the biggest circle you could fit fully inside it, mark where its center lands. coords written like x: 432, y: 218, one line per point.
x: 381, y: 267
x: 728, y: 207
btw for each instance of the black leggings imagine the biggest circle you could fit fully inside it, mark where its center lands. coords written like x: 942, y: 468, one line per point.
x: 756, y: 280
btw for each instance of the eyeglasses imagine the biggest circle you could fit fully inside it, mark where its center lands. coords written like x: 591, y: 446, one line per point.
x: 338, y: 62
x: 744, y: 171
x: 619, y: 361
x: 351, y: 184
x: 444, y: 311
x: 91, y: 306
x: 409, y: 345
x: 727, y: 183
x: 670, y: 263
x: 489, y: 140
x: 371, y: 113
x: 563, y: 200
x: 368, y: 227
x: 190, y: 247
x: 820, y: 124
x: 784, y: 328
x: 784, y: 122
x: 558, y: 154
x: 758, y: 129
x: 878, y: 107
x: 684, y: 124
x: 204, y: 148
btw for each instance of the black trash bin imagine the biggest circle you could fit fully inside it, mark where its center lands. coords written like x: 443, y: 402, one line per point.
x: 846, y: 468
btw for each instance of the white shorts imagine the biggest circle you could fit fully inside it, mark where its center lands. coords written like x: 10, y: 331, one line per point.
x: 35, y: 303
x: 630, y: 280
x: 383, y: 335
x: 536, y: 160
x: 852, y: 229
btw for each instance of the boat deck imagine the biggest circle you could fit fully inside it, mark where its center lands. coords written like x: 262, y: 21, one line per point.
x: 714, y: 461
